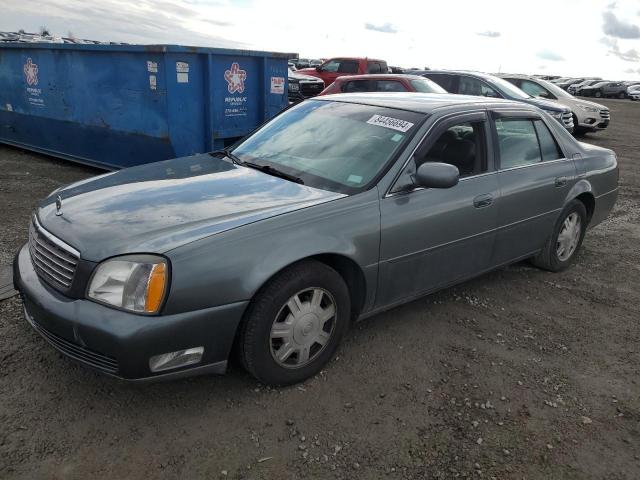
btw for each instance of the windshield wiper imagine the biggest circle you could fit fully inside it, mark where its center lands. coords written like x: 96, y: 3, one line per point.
x: 268, y: 169
x: 235, y: 159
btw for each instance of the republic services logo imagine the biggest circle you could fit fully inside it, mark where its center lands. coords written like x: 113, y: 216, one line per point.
x: 235, y: 78
x: 30, y: 72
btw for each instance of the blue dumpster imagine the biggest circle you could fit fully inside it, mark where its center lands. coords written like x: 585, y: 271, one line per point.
x: 114, y: 106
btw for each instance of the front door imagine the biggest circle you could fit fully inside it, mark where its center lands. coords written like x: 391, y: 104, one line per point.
x: 535, y: 178
x: 434, y: 237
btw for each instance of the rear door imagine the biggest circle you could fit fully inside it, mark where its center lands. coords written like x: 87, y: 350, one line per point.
x: 534, y: 176
x: 434, y: 237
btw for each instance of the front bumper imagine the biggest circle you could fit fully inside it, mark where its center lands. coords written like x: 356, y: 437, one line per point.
x: 119, y: 343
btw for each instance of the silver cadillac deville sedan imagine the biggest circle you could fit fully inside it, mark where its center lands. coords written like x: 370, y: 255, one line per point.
x: 338, y: 208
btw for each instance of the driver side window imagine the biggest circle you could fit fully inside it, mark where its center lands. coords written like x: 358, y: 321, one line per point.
x: 331, y: 66
x: 462, y: 145
x: 535, y: 90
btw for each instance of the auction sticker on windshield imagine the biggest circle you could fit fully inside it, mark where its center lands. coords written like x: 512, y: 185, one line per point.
x: 390, y: 122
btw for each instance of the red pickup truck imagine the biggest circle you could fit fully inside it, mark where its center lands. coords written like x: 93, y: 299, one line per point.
x: 338, y: 67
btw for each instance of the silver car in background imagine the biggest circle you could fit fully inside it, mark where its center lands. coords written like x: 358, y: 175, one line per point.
x: 587, y: 116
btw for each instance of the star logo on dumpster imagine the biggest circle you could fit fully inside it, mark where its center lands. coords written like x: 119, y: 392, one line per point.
x: 30, y: 72
x: 235, y: 77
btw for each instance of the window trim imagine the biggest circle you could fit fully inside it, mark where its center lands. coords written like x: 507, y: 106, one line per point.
x: 433, y: 133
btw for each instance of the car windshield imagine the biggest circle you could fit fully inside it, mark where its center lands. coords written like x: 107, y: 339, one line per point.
x: 557, y: 91
x: 509, y: 88
x: 331, y: 145
x: 424, y: 85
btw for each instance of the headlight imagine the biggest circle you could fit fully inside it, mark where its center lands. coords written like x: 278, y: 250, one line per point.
x: 588, y: 109
x: 554, y: 114
x: 137, y: 283
x: 294, y: 87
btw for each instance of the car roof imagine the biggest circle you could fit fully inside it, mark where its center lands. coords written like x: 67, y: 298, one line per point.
x: 419, y: 102
x: 462, y: 72
x: 356, y: 58
x: 379, y: 76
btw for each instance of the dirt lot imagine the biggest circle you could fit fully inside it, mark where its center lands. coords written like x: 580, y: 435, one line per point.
x: 520, y: 374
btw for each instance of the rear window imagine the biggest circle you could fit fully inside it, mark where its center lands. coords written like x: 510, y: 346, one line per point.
x: 548, y: 145
x: 445, y: 80
x: 389, y: 86
x: 377, y: 67
x: 424, y: 85
x: 348, y: 66
x: 518, y: 143
x: 356, y: 86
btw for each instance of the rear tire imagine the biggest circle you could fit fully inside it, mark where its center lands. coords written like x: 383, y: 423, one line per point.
x: 295, y: 323
x: 597, y: 94
x: 565, y: 240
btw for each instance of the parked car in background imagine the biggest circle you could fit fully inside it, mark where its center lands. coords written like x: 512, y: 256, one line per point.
x: 292, y: 66
x: 315, y: 62
x: 337, y: 67
x: 383, y: 83
x: 338, y: 208
x: 633, y: 92
x: 483, y: 84
x: 574, y: 81
x: 303, y: 86
x: 605, y: 89
x: 302, y: 63
x: 575, y: 88
x: 587, y: 116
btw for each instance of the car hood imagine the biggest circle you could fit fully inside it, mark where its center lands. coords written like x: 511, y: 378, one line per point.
x: 308, y: 71
x: 160, y: 206
x: 297, y: 76
x: 546, y: 104
x: 576, y: 102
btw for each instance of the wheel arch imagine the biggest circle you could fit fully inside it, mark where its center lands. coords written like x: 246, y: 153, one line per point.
x: 347, y: 268
x: 582, y: 191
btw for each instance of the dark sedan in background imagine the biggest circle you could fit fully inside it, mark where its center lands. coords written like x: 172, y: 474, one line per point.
x: 338, y: 208
x: 476, y: 83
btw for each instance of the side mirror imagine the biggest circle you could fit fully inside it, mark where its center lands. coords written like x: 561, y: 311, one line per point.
x: 437, y: 175
x: 319, y: 68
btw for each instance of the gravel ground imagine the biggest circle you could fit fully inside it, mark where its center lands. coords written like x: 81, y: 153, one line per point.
x: 519, y: 374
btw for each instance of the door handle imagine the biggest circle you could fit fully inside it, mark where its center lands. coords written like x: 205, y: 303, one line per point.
x: 561, y: 181
x: 483, y: 201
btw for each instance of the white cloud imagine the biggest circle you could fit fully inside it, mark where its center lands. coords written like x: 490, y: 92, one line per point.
x: 433, y: 34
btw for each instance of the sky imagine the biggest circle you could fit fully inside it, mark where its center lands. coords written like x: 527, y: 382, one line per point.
x: 562, y: 37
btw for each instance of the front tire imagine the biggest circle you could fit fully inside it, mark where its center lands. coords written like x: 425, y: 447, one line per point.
x: 566, y: 239
x: 598, y: 94
x: 294, y: 325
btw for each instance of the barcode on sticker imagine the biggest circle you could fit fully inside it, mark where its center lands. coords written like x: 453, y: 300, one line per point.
x: 390, y: 122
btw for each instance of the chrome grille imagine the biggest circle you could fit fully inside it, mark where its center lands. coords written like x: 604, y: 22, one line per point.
x: 53, y: 260
x: 567, y: 119
x: 605, y: 115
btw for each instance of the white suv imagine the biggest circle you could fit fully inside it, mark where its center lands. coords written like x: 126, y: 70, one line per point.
x: 633, y: 92
x: 587, y: 116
